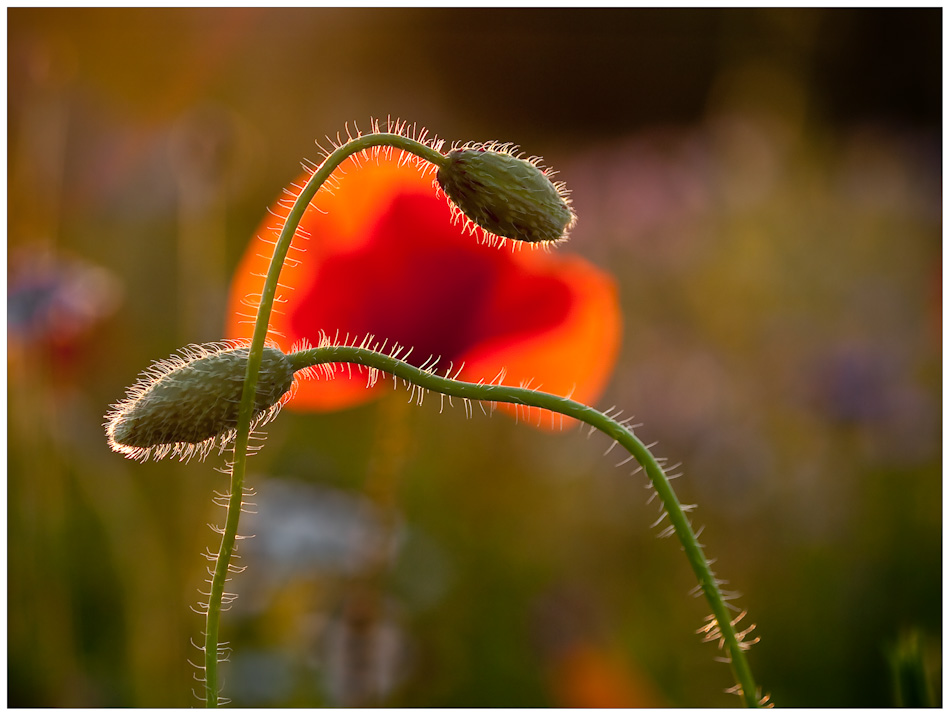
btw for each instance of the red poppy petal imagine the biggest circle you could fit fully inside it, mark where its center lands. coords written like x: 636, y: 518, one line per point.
x: 572, y: 358
x: 336, y: 222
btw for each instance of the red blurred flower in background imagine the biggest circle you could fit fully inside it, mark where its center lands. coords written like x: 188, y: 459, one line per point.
x: 384, y: 257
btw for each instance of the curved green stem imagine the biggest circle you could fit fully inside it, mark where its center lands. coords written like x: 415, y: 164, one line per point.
x: 721, y: 628
x: 724, y: 629
x: 246, y: 408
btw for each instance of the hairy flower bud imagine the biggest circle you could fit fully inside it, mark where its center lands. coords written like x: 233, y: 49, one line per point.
x: 184, y: 404
x: 507, y: 196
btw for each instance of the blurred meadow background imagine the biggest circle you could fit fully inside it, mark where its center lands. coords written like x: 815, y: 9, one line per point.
x: 765, y: 186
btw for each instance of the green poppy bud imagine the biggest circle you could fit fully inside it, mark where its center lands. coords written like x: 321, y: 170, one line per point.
x: 507, y: 196
x: 183, y: 405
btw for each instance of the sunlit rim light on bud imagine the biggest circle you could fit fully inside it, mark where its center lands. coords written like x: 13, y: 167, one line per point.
x: 184, y: 405
x: 505, y: 195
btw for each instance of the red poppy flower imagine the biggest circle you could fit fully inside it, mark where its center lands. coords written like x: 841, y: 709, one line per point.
x: 589, y: 676
x: 384, y: 257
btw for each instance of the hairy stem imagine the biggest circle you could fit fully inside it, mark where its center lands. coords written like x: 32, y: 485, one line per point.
x: 722, y: 628
x: 246, y: 408
x: 731, y: 641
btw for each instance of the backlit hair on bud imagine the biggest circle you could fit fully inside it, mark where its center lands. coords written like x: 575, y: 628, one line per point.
x: 184, y: 405
x: 506, y: 196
